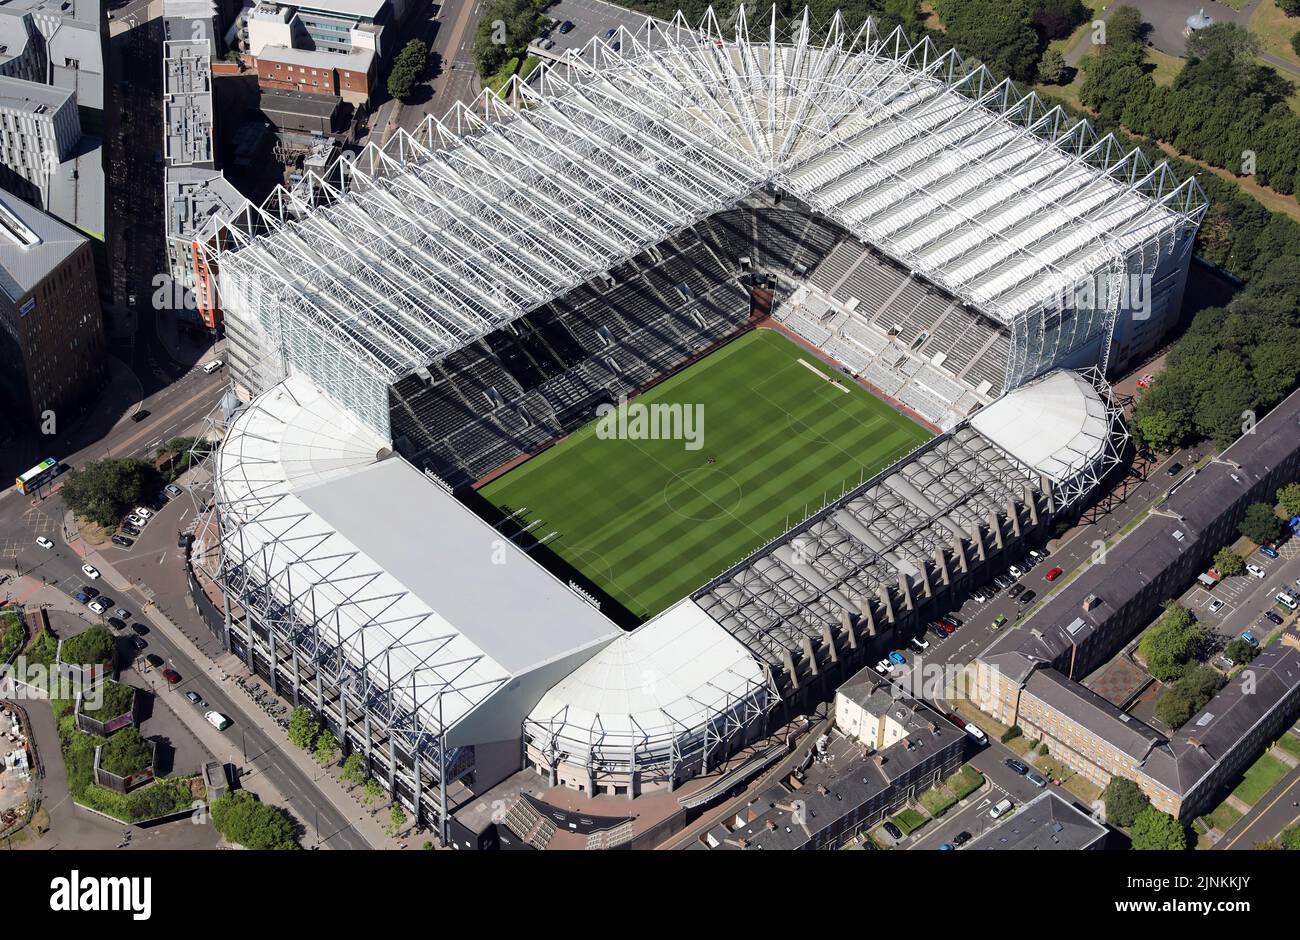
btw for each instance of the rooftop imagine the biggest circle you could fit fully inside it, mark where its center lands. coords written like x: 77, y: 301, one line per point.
x: 1047, y: 823
x: 32, y: 244
x: 195, y: 197
x: 31, y: 97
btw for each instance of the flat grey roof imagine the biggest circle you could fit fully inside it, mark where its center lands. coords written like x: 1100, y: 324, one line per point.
x: 1046, y: 823
x: 32, y: 244
x: 487, y: 589
x: 28, y: 96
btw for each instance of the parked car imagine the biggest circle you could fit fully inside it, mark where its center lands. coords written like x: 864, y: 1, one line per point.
x: 1026, y: 598
x: 956, y: 719
x: 217, y: 720
x: 1016, y: 590
x: 938, y: 632
x: 897, y: 657
x: 946, y: 627
x: 116, y: 624
x: 185, y: 540
x: 1216, y: 605
x: 1036, y: 779
x: 947, y: 847
x: 171, y: 675
x: 1054, y: 573
x: 1256, y: 571
x: 951, y: 621
x: 1249, y: 638
x: 44, y: 543
x: 140, y: 415
x: 1002, y: 582
x: 977, y: 733
x: 1015, y: 571
x: 920, y: 644
x: 139, y: 629
x: 135, y: 522
x: 143, y: 512
x: 122, y: 541
x: 961, y: 838
x: 885, y: 667
x: 980, y: 595
x: 212, y: 366
x: 1286, y: 600
x: 140, y: 644
x: 999, y: 622
x: 123, y: 613
x: 81, y: 597
x: 130, y: 529
x: 90, y: 571
x: 154, y: 660
x: 893, y: 831
x: 609, y: 33
x: 101, y: 604
x: 1273, y: 618
x: 1174, y: 469
x: 1036, y: 555
x: 172, y: 489
x: 1004, y: 807
x: 1016, y: 766
x: 547, y: 43
x: 566, y: 26
x: 193, y: 697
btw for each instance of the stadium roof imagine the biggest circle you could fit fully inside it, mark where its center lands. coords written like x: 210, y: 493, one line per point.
x: 412, y: 250
x: 1055, y: 425
x: 420, y: 595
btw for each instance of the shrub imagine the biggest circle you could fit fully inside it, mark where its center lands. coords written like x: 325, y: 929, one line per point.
x: 242, y: 818
x: 1124, y: 800
x: 127, y: 752
x: 89, y: 647
x: 1011, y: 734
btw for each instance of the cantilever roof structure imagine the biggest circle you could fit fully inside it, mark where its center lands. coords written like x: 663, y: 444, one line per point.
x: 412, y: 250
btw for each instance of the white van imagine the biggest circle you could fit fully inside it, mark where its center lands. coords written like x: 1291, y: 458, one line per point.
x: 213, y: 366
x: 1286, y: 600
x: 980, y: 737
x: 1001, y: 809
x: 217, y: 720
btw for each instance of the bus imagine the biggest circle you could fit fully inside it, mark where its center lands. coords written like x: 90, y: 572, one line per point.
x: 39, y: 475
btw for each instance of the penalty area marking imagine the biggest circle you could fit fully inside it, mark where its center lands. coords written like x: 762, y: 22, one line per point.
x: 830, y: 380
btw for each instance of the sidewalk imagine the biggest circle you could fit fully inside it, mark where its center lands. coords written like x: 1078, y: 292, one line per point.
x: 222, y: 672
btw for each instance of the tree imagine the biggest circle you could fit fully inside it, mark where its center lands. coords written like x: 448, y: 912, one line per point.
x: 1124, y: 800
x: 1239, y: 651
x: 104, y: 490
x: 1188, y: 695
x: 1154, y: 830
x: 372, y: 792
x: 1228, y: 563
x: 407, y: 69
x: 1053, y: 69
x: 1001, y: 35
x: 1175, y: 707
x: 1170, y: 644
x: 1124, y: 28
x: 327, y: 748
x: 354, y: 769
x: 243, y: 819
x: 303, y: 728
x: 88, y: 648
x: 1288, y: 497
x: 397, y: 819
x: 1260, y: 524
x: 1290, y: 838
x: 505, y: 28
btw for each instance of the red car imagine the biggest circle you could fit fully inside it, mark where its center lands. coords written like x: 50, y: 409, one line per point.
x: 944, y: 626
x: 955, y: 720
x: 1054, y: 574
x: 172, y: 676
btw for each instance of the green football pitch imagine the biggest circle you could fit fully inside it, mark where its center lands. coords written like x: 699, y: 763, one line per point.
x: 650, y: 520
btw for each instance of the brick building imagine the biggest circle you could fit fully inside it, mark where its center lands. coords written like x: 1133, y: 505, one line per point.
x: 350, y: 75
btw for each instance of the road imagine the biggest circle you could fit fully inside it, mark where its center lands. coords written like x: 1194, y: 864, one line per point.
x: 1279, y: 809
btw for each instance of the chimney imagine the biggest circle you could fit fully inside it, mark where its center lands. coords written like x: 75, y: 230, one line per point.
x: 770, y: 825
x: 1091, y: 601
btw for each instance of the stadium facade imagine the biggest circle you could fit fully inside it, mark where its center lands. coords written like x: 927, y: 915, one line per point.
x: 459, y: 298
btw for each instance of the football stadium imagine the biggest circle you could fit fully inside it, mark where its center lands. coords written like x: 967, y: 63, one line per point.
x: 593, y: 433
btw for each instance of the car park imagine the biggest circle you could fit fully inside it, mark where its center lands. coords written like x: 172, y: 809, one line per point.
x: 173, y: 490
x: 897, y: 657
x: 1054, y: 574
x: 920, y: 644
x: 1016, y: 766
x: 90, y: 571
x: 121, y: 541
x: 1016, y: 590
x: 1026, y: 598
x: 43, y: 542
x: 893, y: 831
x: 1256, y: 571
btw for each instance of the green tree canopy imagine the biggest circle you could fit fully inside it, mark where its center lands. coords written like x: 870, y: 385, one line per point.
x: 1288, y: 497
x: 1240, y: 651
x: 1260, y: 524
x: 1124, y: 800
x: 408, y: 68
x: 103, y: 491
x: 243, y: 819
x: 1228, y: 563
x: 303, y: 727
x: 1154, y: 830
x: 88, y: 648
x: 1171, y: 643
